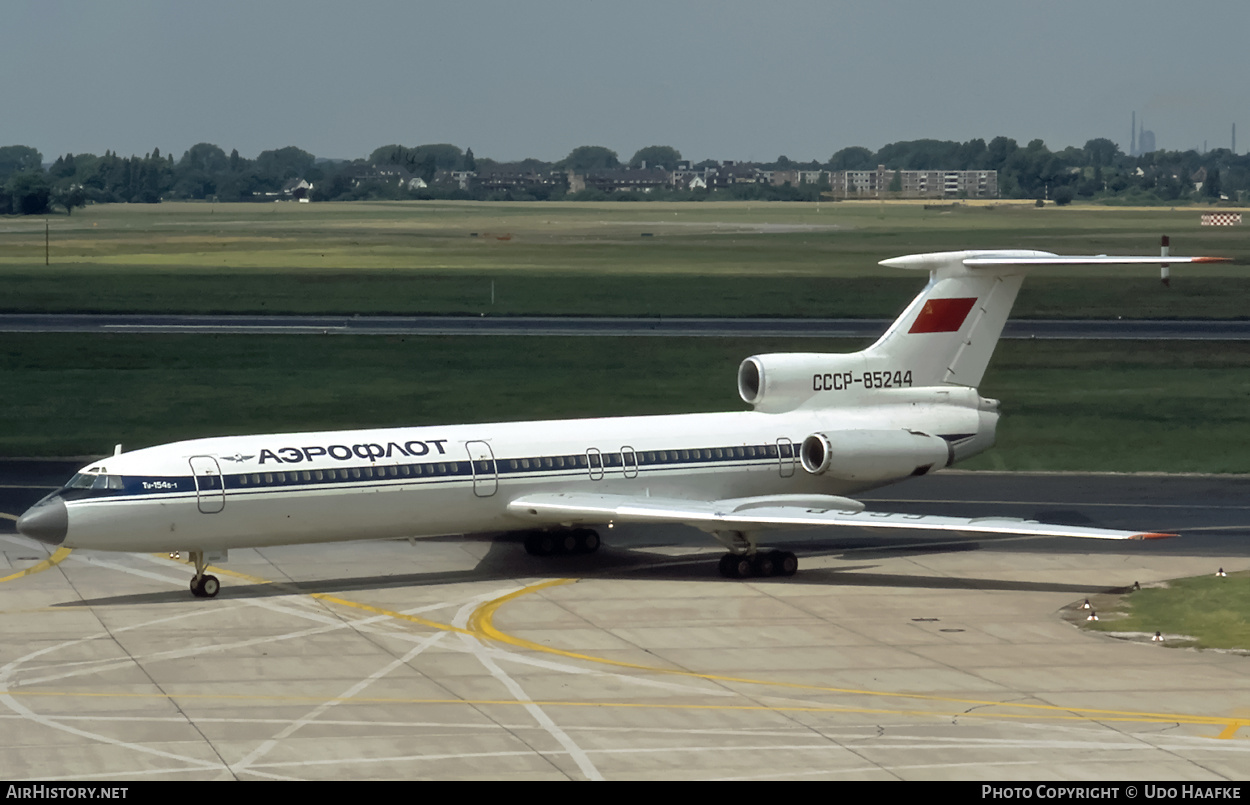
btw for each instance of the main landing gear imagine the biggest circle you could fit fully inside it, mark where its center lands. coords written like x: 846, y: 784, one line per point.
x: 745, y: 560
x: 763, y: 564
x: 562, y: 542
x: 203, y: 586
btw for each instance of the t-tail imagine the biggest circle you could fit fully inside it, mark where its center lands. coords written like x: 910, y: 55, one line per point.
x: 944, y: 338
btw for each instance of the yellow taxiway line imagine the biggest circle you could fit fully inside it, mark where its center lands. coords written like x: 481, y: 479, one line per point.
x: 52, y: 561
x: 481, y: 625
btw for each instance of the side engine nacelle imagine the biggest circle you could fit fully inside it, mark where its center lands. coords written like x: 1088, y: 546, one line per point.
x: 874, y: 455
x: 784, y: 381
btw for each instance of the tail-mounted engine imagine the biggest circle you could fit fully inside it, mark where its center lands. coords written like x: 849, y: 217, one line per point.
x: 784, y: 381
x: 874, y: 455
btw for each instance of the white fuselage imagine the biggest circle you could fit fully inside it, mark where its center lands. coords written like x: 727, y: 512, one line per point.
x: 433, y: 481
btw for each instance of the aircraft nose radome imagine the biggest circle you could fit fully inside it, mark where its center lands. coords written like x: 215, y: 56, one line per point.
x: 47, y: 521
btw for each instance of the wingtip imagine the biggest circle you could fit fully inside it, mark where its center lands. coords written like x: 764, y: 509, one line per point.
x: 1154, y: 535
x: 1212, y: 260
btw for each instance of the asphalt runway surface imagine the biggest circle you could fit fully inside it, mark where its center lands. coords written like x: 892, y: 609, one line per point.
x: 884, y: 658
x: 1154, y: 330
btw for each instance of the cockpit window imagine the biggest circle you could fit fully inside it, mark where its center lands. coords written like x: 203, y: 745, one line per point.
x: 84, y: 480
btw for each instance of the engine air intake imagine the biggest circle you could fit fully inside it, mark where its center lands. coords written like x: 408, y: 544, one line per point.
x: 873, y: 455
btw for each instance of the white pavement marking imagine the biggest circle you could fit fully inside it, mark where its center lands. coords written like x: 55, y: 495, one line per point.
x: 314, y: 714
x: 483, y: 655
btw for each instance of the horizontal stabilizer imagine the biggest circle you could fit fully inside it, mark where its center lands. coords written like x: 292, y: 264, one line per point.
x: 1094, y: 260
x: 1027, y: 258
x: 948, y: 333
x: 756, y: 514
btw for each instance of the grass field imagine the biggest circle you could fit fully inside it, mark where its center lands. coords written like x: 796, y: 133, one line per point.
x: 1089, y: 406
x: 1105, y: 406
x: 1202, y: 612
x: 693, y: 259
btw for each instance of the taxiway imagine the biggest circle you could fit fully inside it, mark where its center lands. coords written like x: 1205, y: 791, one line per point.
x: 885, y: 658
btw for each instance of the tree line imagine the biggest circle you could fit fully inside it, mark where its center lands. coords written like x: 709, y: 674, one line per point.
x: 1098, y: 171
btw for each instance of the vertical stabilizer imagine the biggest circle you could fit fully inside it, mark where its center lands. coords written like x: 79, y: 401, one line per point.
x: 948, y: 333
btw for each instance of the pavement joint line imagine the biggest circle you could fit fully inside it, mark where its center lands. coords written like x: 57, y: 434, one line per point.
x: 1066, y: 714
x: 482, y: 621
x: 52, y: 561
x: 481, y: 624
x: 294, y: 588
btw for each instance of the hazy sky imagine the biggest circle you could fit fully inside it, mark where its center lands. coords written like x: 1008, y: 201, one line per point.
x: 715, y: 79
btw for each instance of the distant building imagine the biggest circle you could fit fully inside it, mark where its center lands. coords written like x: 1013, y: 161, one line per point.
x: 297, y: 189
x: 1143, y: 142
x: 914, y: 184
x: 519, y: 180
x: 794, y: 178
x: 642, y: 180
x: 1199, y: 179
x: 731, y: 172
x: 384, y: 174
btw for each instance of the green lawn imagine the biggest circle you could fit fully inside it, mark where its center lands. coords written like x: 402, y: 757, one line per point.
x: 1205, y: 612
x: 1115, y: 406
x: 1092, y: 406
x: 700, y: 259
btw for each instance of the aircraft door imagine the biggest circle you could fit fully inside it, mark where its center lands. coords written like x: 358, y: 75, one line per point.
x: 785, y: 457
x: 594, y: 462
x: 629, y: 462
x: 210, y: 486
x: 485, y: 470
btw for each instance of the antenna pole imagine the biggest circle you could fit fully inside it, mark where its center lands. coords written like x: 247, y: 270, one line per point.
x: 1164, y: 272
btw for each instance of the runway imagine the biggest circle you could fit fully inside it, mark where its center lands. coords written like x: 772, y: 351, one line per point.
x: 884, y: 658
x: 1151, y: 330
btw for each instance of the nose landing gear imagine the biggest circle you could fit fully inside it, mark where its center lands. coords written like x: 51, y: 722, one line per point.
x: 203, y: 585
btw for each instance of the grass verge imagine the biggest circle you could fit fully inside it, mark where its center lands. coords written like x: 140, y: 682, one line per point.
x: 670, y: 259
x: 1088, y: 406
x: 1200, y: 612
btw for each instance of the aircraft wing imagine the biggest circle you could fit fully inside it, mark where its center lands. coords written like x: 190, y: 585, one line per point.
x: 777, y: 511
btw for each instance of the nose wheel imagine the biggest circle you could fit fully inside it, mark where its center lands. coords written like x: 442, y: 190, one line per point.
x: 203, y: 585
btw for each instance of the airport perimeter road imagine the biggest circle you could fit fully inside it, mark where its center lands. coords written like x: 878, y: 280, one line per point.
x: 551, y: 325
x: 884, y: 658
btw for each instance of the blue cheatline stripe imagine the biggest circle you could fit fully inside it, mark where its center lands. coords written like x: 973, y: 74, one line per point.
x: 576, y: 465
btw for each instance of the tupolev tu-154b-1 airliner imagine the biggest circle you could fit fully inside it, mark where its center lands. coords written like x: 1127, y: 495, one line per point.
x: 823, y: 428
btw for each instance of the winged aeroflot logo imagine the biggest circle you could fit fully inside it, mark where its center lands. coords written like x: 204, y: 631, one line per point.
x: 237, y: 457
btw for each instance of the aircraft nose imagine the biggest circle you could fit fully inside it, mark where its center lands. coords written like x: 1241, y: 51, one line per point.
x: 46, y: 521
